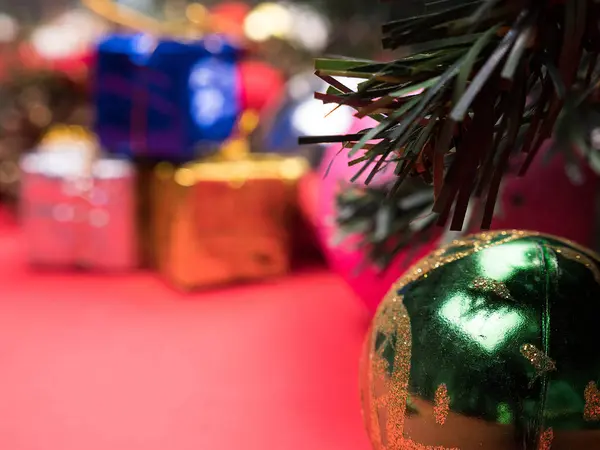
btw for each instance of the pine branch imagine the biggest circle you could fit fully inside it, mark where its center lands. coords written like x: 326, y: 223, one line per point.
x: 480, y: 83
x: 383, y: 227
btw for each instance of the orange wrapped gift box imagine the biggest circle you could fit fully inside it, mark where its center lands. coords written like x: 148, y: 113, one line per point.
x: 222, y: 221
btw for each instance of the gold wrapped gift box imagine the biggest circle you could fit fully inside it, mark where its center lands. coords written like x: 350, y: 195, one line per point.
x: 222, y: 220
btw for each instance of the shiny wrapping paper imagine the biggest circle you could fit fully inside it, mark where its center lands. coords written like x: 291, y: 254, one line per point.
x: 165, y: 99
x: 78, y: 216
x: 223, y: 221
x: 488, y: 344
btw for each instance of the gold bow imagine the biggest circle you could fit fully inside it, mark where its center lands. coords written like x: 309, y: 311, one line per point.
x: 197, y: 19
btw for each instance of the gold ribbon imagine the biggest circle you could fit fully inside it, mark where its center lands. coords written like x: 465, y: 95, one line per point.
x: 237, y: 147
x: 235, y: 164
x: 197, y: 22
x: 72, y: 133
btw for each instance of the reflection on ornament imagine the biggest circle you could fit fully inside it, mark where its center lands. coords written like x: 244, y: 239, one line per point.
x: 500, y: 262
x: 505, y: 415
x: 457, y: 341
x: 487, y: 329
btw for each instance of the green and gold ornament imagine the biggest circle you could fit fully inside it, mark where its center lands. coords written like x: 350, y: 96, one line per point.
x: 488, y: 344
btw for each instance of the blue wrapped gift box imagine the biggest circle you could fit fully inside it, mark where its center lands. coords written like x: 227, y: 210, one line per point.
x: 165, y: 99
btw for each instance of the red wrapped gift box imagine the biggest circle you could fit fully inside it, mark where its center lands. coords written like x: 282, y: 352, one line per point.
x: 75, y: 220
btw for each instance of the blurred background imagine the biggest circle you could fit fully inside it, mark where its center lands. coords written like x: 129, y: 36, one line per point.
x: 48, y: 61
x: 176, y: 273
x: 126, y: 91
x: 163, y: 240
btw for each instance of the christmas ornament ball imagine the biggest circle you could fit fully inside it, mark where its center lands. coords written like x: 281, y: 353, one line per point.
x: 488, y: 343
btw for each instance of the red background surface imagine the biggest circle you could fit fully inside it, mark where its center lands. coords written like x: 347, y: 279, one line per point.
x: 92, y: 362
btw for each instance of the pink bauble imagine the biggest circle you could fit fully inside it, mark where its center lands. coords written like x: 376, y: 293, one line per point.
x: 544, y: 200
x: 318, y: 194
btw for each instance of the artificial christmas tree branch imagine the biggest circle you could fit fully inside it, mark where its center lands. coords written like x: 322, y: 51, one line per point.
x: 381, y: 226
x: 478, y: 83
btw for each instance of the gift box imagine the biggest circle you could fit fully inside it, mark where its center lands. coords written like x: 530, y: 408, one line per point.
x: 77, y: 211
x: 165, y: 99
x: 224, y: 221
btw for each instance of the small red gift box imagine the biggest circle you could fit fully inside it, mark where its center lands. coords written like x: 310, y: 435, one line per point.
x: 78, y: 212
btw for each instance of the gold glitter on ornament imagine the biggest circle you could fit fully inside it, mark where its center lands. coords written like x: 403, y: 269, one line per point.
x: 398, y: 386
x: 381, y: 368
x: 408, y: 444
x: 388, y: 323
x: 489, y: 285
x: 390, y: 434
x: 389, y: 398
x: 546, y: 439
x: 380, y: 365
x: 469, y: 245
x: 441, y: 404
x: 591, y: 412
x: 459, y: 249
x: 540, y: 361
x: 377, y: 374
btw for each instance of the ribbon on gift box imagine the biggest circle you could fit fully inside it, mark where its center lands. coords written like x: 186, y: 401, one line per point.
x: 235, y: 163
x: 199, y: 20
x: 75, y: 152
